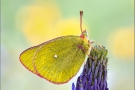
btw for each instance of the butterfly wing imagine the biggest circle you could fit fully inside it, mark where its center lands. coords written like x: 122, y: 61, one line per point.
x: 57, y: 60
x: 27, y: 56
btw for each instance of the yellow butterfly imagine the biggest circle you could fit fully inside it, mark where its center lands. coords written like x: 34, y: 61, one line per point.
x: 59, y: 59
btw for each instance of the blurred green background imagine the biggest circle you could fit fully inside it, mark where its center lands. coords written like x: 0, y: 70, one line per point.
x: 25, y: 23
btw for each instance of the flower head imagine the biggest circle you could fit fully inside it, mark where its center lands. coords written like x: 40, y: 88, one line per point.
x: 94, y: 74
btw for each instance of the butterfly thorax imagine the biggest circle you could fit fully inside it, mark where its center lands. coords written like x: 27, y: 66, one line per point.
x: 86, y: 46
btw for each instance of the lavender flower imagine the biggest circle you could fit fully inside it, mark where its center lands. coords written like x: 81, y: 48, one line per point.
x: 94, y: 74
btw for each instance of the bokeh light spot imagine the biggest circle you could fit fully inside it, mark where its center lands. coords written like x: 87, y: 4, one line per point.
x: 42, y: 23
x: 70, y: 26
x: 37, y: 22
x: 122, y: 42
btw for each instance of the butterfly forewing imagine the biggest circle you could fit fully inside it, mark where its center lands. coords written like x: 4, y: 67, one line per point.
x: 59, y: 60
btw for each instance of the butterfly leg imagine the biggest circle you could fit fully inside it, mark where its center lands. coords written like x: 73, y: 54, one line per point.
x: 80, y: 47
x: 90, y: 43
x: 96, y: 43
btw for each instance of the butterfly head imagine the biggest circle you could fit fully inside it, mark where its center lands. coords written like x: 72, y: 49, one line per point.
x: 84, y: 34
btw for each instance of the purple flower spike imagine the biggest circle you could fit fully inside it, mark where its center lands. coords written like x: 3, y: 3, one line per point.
x: 94, y: 74
x: 73, y: 86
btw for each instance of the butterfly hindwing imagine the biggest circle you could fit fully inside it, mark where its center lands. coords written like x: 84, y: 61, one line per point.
x: 27, y: 56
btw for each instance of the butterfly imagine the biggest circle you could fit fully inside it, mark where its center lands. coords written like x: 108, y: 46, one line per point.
x: 59, y: 59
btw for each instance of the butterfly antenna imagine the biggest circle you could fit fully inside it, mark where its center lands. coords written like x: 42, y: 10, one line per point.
x: 81, y: 14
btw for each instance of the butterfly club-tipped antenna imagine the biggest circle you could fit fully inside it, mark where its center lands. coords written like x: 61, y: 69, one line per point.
x: 81, y: 14
x: 83, y: 32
